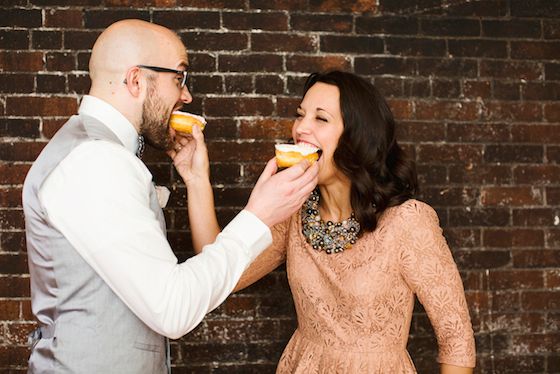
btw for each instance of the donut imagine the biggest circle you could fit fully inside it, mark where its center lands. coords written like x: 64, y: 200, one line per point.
x: 184, y: 121
x: 290, y: 154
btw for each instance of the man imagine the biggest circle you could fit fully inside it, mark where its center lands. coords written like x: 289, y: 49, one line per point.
x: 105, y: 284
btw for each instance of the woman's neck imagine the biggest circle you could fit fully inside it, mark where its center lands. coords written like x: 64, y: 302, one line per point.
x: 334, y: 204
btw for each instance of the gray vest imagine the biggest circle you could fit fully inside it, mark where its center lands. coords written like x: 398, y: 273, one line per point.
x: 84, y: 326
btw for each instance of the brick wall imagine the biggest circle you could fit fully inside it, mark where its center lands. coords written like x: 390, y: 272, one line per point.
x: 474, y: 85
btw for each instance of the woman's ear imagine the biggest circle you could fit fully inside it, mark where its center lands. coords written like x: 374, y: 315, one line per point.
x: 133, y: 81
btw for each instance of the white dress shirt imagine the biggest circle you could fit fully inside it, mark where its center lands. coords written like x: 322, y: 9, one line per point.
x: 98, y: 198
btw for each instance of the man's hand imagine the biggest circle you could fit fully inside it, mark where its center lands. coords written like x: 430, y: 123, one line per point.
x: 277, y: 196
x: 190, y: 157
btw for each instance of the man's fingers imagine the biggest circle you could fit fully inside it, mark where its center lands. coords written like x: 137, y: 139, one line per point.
x: 269, y: 170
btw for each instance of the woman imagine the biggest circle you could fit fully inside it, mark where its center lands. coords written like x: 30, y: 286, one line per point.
x: 361, y: 247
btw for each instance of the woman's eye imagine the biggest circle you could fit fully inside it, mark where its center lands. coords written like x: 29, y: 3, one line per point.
x: 298, y: 115
x: 322, y: 119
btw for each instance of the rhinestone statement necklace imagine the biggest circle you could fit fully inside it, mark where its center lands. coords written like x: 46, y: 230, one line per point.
x: 330, y: 236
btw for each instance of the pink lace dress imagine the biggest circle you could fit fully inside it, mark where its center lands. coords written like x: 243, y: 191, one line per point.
x: 354, y: 308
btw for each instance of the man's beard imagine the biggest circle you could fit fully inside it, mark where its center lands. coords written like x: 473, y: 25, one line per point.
x: 155, y: 116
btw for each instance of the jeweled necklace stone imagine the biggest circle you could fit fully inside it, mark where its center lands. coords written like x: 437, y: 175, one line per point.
x: 331, y: 237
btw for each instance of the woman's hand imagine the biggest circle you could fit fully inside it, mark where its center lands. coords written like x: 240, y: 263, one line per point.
x: 451, y: 369
x: 190, y: 157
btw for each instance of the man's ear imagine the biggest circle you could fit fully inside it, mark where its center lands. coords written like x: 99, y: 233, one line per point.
x: 133, y: 81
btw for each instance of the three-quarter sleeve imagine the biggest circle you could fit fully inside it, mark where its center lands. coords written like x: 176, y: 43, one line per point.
x: 428, y: 268
x: 269, y: 259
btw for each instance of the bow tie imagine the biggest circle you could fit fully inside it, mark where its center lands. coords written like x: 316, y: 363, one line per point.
x: 141, y: 146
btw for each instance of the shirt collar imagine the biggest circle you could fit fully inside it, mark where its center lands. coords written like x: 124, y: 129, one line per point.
x: 112, y: 118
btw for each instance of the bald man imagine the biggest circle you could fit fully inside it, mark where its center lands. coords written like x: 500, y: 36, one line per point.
x: 106, y: 287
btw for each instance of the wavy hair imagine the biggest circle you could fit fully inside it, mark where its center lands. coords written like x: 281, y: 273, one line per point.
x: 380, y: 172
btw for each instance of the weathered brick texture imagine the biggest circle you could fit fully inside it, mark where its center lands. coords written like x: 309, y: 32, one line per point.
x: 475, y: 86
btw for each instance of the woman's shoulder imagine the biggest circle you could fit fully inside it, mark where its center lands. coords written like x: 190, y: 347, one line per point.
x: 413, y: 210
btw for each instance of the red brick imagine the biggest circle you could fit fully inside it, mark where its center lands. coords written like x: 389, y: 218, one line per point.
x: 350, y: 44
x: 535, y: 133
x: 80, y: 40
x: 534, y: 217
x: 206, y: 83
x: 283, y: 42
x: 250, y: 63
x: 514, y: 153
x: 420, y: 131
x: 506, y: 301
x: 286, y: 106
x: 311, y: 64
x: 241, y: 152
x: 535, y: 8
x: 450, y: 27
x: 46, y: 39
x: 449, y: 196
x: 380, y: 24
x: 514, y: 112
x: 17, y: 332
x: 201, y: 62
x: 511, y: 69
x: 266, y: 129
x: 479, y: 217
x: 141, y: 3
x: 552, y: 112
x: 551, y: 29
x: 552, y: 71
x: 12, y: 242
x: 13, y: 356
x: 414, y: 47
x: 51, y: 126
x: 441, y: 110
x: 462, y: 237
x: 553, y: 279
x: 278, y: 5
x: 505, y: 238
x: 451, y: 153
x: 477, y: 89
x: 237, y: 106
x: 79, y: 83
x: 537, y: 174
x: 272, y: 21
x: 68, y: 18
x: 507, y: 90
x: 9, y: 310
x: 486, y: 259
x: 269, y: 84
x: 50, y: 83
x: 511, y: 196
x: 215, y: 41
x: 21, y: 61
x: 536, y: 258
x: 513, y: 28
x: 417, y: 87
x: 515, y: 279
x: 535, y: 50
x: 390, y: 87
x: 14, y: 287
x: 321, y: 22
x: 402, y: 109
x: 239, y: 84
x: 449, y: 89
x: 351, y: 6
x: 538, y: 343
x: 16, y: 83
x: 43, y: 106
x: 553, y: 237
x: 14, y: 39
x: 28, y: 18
x: 541, y: 91
x: 384, y: 65
x: 178, y: 20
x: 12, y: 174
x: 60, y: 61
x: 478, y: 132
x: 20, y: 151
x: 447, y: 67
x: 218, y: 4
x: 518, y: 322
x: 478, y: 48
x: 429, y: 174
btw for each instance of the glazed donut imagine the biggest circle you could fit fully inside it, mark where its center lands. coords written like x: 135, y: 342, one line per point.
x: 184, y: 121
x: 290, y: 154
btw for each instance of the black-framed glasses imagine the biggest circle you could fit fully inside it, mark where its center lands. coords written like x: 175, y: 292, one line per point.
x: 183, y: 73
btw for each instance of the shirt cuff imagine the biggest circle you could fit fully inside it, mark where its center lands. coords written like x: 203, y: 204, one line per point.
x: 252, y: 231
